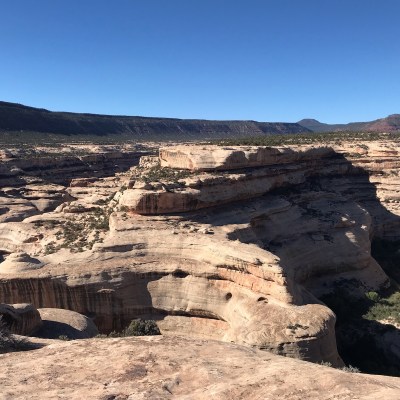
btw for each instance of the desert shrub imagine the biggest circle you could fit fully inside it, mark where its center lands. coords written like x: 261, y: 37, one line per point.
x: 138, y: 327
x: 373, y: 296
x: 166, y: 174
x: 303, y: 138
x: 358, y: 330
x: 350, y: 368
x: 74, y: 234
x: 385, y: 308
x: 326, y: 363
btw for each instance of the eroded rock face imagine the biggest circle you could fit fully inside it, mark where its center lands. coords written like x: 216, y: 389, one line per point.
x: 206, y: 158
x: 180, y: 368
x: 238, y: 255
x: 256, y: 174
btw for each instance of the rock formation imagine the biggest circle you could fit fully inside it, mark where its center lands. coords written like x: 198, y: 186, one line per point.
x: 65, y: 323
x: 234, y: 244
x: 50, y: 323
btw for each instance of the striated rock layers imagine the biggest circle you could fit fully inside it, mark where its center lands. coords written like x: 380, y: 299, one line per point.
x: 237, y: 245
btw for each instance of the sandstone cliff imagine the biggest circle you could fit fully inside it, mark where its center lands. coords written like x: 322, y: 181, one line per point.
x: 237, y: 246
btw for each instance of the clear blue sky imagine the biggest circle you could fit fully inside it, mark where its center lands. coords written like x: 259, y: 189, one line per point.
x: 267, y: 60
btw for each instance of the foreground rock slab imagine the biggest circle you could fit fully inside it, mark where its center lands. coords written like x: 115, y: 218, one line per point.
x: 177, y: 368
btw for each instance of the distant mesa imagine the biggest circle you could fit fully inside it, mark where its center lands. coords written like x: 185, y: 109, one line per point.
x: 39, y: 122
x: 16, y: 117
x: 388, y: 124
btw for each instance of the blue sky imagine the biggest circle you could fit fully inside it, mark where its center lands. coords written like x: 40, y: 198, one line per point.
x: 267, y: 60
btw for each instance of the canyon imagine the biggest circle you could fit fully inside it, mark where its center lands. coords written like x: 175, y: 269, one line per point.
x: 239, y: 244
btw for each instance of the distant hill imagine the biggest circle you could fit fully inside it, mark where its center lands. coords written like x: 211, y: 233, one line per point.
x: 388, y: 124
x: 17, y: 118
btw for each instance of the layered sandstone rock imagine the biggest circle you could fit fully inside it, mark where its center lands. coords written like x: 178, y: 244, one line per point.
x: 207, y: 190
x: 238, y: 255
x: 204, y: 158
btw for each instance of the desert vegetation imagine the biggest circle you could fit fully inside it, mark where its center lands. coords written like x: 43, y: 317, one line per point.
x: 166, y: 174
x: 362, y: 323
x: 137, y: 327
x: 82, y: 232
x: 307, y: 138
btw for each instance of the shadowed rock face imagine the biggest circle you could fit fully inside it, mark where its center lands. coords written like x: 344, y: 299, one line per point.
x: 21, y: 319
x: 50, y: 323
x: 241, y: 255
x: 66, y: 323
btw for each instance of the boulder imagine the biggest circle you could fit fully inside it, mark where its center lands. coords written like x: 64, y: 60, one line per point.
x: 58, y: 322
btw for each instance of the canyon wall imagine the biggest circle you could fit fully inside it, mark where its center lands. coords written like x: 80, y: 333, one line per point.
x: 238, y: 246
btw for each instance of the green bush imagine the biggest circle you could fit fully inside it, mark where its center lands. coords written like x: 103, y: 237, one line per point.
x: 373, y: 296
x: 387, y: 308
x: 138, y: 327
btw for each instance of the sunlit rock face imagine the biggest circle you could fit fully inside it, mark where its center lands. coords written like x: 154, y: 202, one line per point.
x: 238, y: 246
x: 162, y: 367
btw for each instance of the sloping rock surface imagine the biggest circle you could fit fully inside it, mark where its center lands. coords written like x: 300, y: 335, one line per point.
x: 177, y: 368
